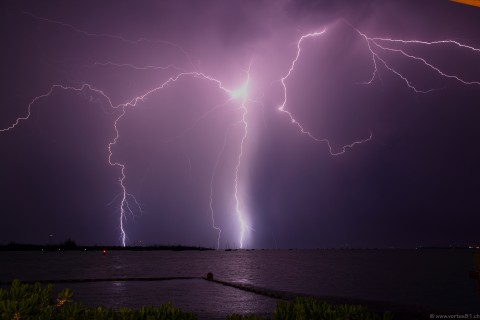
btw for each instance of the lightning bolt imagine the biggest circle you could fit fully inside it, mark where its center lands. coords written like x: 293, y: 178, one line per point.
x: 295, y: 122
x: 242, y: 93
x: 125, y: 206
x: 49, y: 93
x: 129, y: 204
x: 212, y: 213
x: 381, y: 44
x: 376, y: 41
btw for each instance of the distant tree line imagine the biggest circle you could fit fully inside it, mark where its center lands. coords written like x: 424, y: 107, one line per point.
x: 71, y: 245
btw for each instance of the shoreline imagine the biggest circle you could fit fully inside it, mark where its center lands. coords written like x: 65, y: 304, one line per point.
x: 399, y: 310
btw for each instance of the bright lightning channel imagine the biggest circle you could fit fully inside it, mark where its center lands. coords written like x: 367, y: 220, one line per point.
x: 375, y: 42
x: 129, y: 204
x: 125, y: 205
x: 281, y: 108
x: 382, y: 45
x: 241, y: 94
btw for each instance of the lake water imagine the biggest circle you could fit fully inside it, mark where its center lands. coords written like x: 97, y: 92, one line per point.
x: 436, y: 279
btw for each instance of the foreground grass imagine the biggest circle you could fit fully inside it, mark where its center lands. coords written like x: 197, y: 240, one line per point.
x: 32, y: 301
x: 309, y: 308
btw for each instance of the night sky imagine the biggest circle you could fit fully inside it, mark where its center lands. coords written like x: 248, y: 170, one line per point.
x: 415, y: 183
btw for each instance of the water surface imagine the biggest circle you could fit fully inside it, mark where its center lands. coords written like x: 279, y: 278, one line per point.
x: 433, y: 278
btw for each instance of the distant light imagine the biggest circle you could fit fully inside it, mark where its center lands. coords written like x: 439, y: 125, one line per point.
x: 104, y: 252
x: 241, y: 93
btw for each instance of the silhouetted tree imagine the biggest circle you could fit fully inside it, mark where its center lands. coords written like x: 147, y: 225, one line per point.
x: 69, y: 244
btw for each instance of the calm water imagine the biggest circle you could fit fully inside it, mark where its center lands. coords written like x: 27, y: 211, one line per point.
x: 432, y: 278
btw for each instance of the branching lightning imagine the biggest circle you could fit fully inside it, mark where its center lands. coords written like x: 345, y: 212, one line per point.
x: 49, y: 93
x: 129, y: 204
x: 372, y: 42
x: 425, y: 62
x: 125, y: 205
x: 289, y: 114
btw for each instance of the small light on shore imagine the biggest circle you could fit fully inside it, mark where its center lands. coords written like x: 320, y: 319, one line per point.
x: 104, y: 252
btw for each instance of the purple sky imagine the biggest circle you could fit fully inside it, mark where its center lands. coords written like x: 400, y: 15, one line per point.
x: 415, y: 183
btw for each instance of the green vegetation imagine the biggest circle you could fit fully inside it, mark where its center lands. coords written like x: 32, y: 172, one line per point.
x: 310, y: 308
x: 32, y: 301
